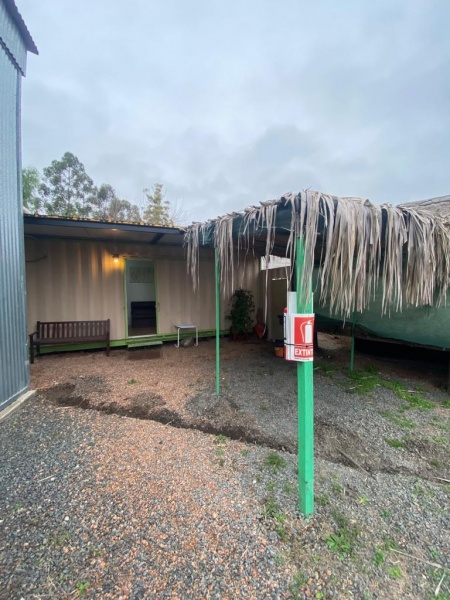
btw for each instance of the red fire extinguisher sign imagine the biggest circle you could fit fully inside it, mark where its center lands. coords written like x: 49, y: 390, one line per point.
x: 303, y: 330
x: 300, y: 337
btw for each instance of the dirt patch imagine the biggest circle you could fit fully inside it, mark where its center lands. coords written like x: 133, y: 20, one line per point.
x: 258, y: 403
x: 214, y: 416
x: 141, y: 405
x: 146, y: 401
x: 58, y: 393
x: 341, y: 446
x: 436, y: 454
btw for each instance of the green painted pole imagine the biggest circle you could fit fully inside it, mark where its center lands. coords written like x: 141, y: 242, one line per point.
x: 216, y: 274
x: 305, y: 394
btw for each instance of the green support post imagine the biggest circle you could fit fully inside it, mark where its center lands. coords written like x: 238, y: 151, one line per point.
x: 216, y: 275
x: 305, y: 394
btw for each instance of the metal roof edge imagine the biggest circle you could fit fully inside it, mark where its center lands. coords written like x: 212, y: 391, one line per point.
x: 93, y: 224
x: 13, y: 11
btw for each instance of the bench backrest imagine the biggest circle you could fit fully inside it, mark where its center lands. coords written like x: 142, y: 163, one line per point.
x: 62, y: 330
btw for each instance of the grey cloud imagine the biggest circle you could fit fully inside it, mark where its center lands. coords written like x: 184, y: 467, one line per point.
x: 228, y: 105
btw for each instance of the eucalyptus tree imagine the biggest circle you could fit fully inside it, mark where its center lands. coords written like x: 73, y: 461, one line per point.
x: 31, y: 181
x: 67, y: 189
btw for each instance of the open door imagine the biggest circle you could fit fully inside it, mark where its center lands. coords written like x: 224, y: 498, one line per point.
x: 278, y: 300
x: 140, y: 294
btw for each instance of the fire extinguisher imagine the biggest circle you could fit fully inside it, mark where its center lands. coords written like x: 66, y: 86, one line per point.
x: 307, y: 332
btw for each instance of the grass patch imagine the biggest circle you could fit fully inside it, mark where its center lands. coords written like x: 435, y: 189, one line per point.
x: 366, y: 381
x: 441, y: 440
x: 337, y: 488
x: 328, y: 370
x: 420, y: 490
x: 93, y: 551
x: 414, y: 399
x: 132, y: 381
x: 60, y: 538
x: 322, y: 500
x: 82, y: 587
x: 298, y: 582
x: 395, y: 572
x: 270, y: 509
x: 221, y: 439
x: 344, y: 539
x: 442, y: 596
x: 281, y: 527
x: 389, y: 543
x: 394, y: 443
x: 442, y: 426
x: 398, y: 420
x: 379, y: 557
x: 363, y: 382
x: 275, y: 461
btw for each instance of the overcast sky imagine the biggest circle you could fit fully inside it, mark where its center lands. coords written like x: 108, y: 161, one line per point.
x: 231, y: 103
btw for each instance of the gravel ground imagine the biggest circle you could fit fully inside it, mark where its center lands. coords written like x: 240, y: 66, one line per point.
x: 104, y: 506
x: 123, y: 508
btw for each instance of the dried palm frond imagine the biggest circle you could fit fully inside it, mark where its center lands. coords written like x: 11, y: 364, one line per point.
x: 405, y: 249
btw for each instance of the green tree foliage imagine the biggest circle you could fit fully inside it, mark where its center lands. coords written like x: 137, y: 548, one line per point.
x: 67, y: 188
x: 109, y: 207
x: 157, y: 210
x: 241, y: 314
x: 31, y: 181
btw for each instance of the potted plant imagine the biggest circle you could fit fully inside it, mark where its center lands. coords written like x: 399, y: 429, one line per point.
x: 241, y: 314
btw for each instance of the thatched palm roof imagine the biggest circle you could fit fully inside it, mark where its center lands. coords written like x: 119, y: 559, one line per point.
x: 435, y: 206
x: 357, y: 246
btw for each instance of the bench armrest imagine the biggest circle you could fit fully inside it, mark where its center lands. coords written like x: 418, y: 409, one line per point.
x: 30, y: 335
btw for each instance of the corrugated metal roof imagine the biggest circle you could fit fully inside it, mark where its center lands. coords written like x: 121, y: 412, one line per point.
x: 12, y: 9
x: 81, y: 228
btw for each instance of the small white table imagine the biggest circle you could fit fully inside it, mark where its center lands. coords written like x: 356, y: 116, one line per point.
x: 186, y: 326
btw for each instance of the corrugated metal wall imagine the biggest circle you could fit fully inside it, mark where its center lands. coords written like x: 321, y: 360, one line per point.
x: 70, y: 279
x: 14, y: 378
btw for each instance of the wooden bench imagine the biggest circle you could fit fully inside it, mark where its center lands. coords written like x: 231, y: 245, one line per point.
x: 51, y: 333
